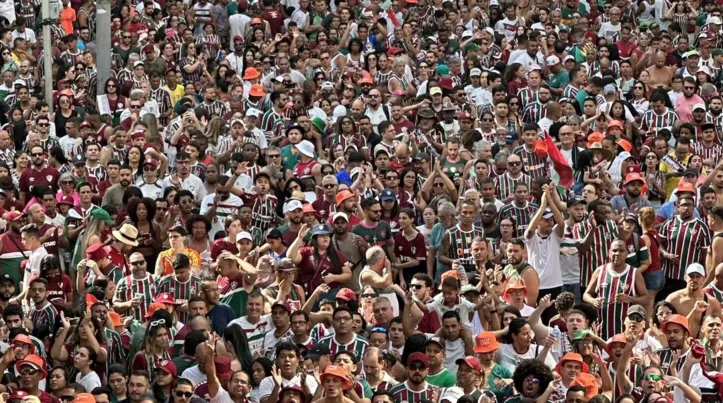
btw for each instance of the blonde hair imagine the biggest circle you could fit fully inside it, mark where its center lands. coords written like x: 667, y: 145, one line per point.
x: 646, y: 217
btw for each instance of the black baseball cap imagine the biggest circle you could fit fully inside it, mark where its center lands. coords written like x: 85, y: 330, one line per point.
x: 317, y: 350
x: 6, y: 278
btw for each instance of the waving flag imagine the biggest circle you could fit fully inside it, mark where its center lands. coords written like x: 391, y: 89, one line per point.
x: 559, y: 162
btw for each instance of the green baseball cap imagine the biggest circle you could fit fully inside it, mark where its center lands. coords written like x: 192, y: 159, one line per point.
x: 102, y: 215
x: 581, y: 334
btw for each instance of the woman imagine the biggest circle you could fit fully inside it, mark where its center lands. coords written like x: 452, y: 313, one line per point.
x: 237, y: 344
x: 654, y: 276
x: 515, y: 78
x: 283, y: 287
x: 499, y: 247
x: 410, y: 249
x: 257, y: 39
x: 88, y: 334
x: 531, y: 378
x: 409, y: 190
x: 57, y: 380
x: 22, y: 162
x: 141, y: 213
x: 209, y: 42
x: 232, y: 226
x: 655, y: 180
x: 118, y: 383
x: 191, y: 65
x: 83, y: 360
x: 390, y: 206
x: 176, y: 237
x: 366, y: 303
x: 198, y: 227
x: 260, y: 369
x: 60, y: 287
x: 429, y: 217
x: 355, y: 57
x: 154, y: 348
x: 95, y: 226
x: 320, y: 262
x: 116, y: 102
x: 639, y: 97
x: 64, y: 112
x: 398, y: 80
x: 134, y: 159
x: 493, y: 372
x: 164, y: 380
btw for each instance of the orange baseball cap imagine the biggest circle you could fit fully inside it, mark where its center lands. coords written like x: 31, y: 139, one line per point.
x: 34, y: 361
x: 308, y: 208
x: 343, y: 195
x: 632, y: 177
x: 571, y: 357
x: 153, y: 308
x: 449, y: 273
x: 366, y: 79
x: 115, y: 318
x: 346, y: 294
x: 338, y: 371
x: 684, y: 186
x: 588, y: 382
x: 675, y: 319
x: 486, y: 342
x: 257, y: 90
x: 84, y: 398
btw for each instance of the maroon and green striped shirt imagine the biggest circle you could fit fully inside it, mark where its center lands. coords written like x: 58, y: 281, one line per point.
x: 687, y: 240
x: 44, y: 316
x: 653, y: 122
x: 402, y: 393
x: 506, y: 185
x: 609, y: 285
x: 532, y: 164
x: 358, y: 345
x: 521, y: 215
x: 182, y: 292
x: 596, y: 256
x: 128, y: 287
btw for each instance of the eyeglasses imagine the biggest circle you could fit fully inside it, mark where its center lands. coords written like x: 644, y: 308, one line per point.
x: 377, y: 211
x: 373, y: 96
x: 110, y: 86
x: 651, y: 377
x: 638, y: 88
x: 514, y: 103
x: 37, y: 154
x: 392, y: 178
x: 439, y: 185
x: 67, y: 398
x: 127, y: 37
x: 139, y: 263
x: 346, y: 122
x: 66, y: 182
x: 187, y: 395
x: 688, y: 88
x: 488, y: 120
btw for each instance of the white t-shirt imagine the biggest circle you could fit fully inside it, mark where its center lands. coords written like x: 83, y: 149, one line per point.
x: 544, y: 256
x: 268, y: 383
x: 509, y: 358
x: 463, y: 308
x: 194, y: 375
x: 32, y: 269
x: 225, y: 208
x: 255, y: 332
x: 90, y: 381
x: 192, y: 183
x: 609, y: 31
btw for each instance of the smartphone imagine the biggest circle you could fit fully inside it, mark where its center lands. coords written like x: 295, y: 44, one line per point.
x: 138, y: 296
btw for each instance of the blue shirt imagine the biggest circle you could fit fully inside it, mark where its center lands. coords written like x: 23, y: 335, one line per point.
x: 220, y: 316
x: 435, y: 239
x: 667, y: 211
x: 344, y: 178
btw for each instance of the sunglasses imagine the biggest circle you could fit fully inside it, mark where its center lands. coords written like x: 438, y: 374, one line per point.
x: 392, y: 178
x: 28, y: 371
x: 652, y: 377
x: 514, y: 163
x: 37, y: 154
x: 439, y: 185
x: 329, y: 186
x: 417, y: 286
x: 187, y: 395
x: 44, y: 124
x: 417, y: 367
x: 368, y: 295
x: 135, y: 107
x: 636, y: 318
x: 377, y: 211
x: 140, y: 263
x: 67, y: 398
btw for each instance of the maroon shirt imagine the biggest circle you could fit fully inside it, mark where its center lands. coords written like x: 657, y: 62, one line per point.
x: 311, y: 271
x: 50, y: 244
x: 58, y: 288
x: 324, y: 208
x: 275, y: 18
x: 32, y: 177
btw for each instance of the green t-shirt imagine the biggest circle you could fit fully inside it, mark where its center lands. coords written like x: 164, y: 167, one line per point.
x: 560, y: 80
x: 442, y: 379
x: 567, y: 11
x: 184, y: 362
x: 499, y: 372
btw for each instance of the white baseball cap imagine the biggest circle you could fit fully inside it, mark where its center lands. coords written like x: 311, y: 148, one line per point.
x: 253, y: 112
x: 340, y: 215
x: 245, y: 235
x: 292, y: 205
x: 475, y: 72
x: 552, y: 60
x: 696, y: 268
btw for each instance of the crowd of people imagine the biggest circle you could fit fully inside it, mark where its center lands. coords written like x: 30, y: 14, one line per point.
x: 357, y: 201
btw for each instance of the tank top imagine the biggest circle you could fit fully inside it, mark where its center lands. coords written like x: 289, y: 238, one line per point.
x: 382, y: 79
x: 609, y: 285
x: 654, y: 251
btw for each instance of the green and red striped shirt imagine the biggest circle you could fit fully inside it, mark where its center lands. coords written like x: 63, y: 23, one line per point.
x: 609, y: 285
x: 358, y: 345
x: 596, y: 255
x: 521, y: 215
x: 688, y: 241
x: 402, y: 393
x: 532, y: 164
x: 181, y: 291
x: 506, y: 185
x: 129, y: 287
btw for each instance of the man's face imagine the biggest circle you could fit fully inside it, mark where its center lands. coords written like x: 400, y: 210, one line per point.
x: 137, y: 387
x: 7, y: 289
x: 515, y: 254
x: 379, y: 340
x: 29, y: 377
x: 514, y: 164
x: 99, y: 312
x: 685, y: 208
x: 38, y: 293
x: 383, y: 312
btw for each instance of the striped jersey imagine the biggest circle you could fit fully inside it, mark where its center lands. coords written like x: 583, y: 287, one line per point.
x: 534, y: 112
x: 234, y: 294
x: 666, y: 360
x: 255, y: 332
x: 116, y: 352
x: 596, y: 255
x: 460, y: 243
x: 402, y: 393
x: 164, y: 102
x: 182, y: 292
x: 192, y: 77
x: 714, y: 292
x: 264, y: 212
x: 358, y: 345
x: 520, y: 215
x: 129, y: 286
x: 112, y: 272
x: 717, y: 121
x: 634, y: 372
x: 708, y: 153
x: 532, y: 164
x: 272, y: 124
x: 527, y: 96
x: 44, y: 316
x: 652, y: 122
x: 506, y: 185
x: 570, y: 92
x: 688, y: 240
x: 217, y: 108
x: 610, y: 284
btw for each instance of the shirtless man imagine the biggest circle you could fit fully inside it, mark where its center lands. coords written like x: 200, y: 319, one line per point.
x: 660, y: 74
x: 693, y: 299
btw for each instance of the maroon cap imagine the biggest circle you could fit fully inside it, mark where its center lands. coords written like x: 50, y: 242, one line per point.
x: 67, y: 200
x: 284, y: 304
x: 421, y: 357
x: 151, y: 161
x: 168, y: 366
x: 346, y: 295
x: 149, y: 49
x: 446, y: 83
x: 471, y: 362
x: 84, y: 124
x: 97, y: 252
x: 166, y: 298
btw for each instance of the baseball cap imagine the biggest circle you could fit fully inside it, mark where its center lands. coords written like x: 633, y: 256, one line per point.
x: 471, y: 362
x: 97, y: 252
x: 245, y: 235
x: 438, y: 341
x: 637, y: 309
x: 609, y: 89
x: 387, y: 195
x: 695, y: 268
x: 418, y: 357
x: 547, y: 214
x: 284, y: 304
x: 340, y: 214
x: 699, y: 106
x: 475, y: 72
x: 5, y: 278
x: 346, y: 294
x: 318, y: 350
x: 166, y: 298
x: 435, y: 90
x: 293, y: 205
x: 552, y: 60
x: 511, y: 137
x: 167, y: 366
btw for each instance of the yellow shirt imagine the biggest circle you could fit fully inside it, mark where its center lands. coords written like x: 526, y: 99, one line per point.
x: 175, y: 94
x: 672, y: 183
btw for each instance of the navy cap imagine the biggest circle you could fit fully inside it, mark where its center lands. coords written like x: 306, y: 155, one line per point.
x: 78, y: 159
x: 387, y: 195
x: 576, y: 200
x: 511, y: 137
x: 6, y: 278
x: 320, y: 229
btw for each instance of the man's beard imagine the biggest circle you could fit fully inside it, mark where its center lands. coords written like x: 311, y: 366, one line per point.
x: 125, y: 182
x: 4, y: 297
x: 715, y: 111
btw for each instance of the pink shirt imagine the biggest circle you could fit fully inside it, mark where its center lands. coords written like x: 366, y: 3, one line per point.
x: 684, y: 107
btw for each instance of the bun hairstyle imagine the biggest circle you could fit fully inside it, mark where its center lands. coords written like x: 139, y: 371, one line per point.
x: 646, y: 216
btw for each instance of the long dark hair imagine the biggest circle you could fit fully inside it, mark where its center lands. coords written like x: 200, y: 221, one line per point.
x: 237, y: 338
x: 331, y: 253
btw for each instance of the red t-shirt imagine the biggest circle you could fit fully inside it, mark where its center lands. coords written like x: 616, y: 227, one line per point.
x: 311, y: 271
x: 50, y: 244
x: 118, y: 259
x: 404, y: 124
x: 32, y: 177
x: 353, y: 220
x: 58, y: 289
x: 275, y: 18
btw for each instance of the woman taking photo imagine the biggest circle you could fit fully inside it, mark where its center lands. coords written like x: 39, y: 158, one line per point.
x: 655, y: 180
x: 89, y: 334
x: 284, y: 288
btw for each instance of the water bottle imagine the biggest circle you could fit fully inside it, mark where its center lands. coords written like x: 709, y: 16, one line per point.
x: 557, y: 346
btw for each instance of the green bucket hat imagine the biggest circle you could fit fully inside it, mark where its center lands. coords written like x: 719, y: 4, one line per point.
x: 319, y: 124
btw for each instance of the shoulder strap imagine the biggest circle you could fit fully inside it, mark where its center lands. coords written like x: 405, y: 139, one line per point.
x: 17, y: 246
x: 385, y: 109
x: 636, y: 242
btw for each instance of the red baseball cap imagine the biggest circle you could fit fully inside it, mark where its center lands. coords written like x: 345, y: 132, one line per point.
x: 168, y: 366
x: 97, y: 252
x: 68, y: 200
x: 471, y: 362
x: 166, y: 298
x: 418, y: 356
x: 346, y: 295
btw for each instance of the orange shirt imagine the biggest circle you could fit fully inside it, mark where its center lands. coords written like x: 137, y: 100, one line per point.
x: 67, y: 19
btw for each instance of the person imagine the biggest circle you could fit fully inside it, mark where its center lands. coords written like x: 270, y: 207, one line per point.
x: 416, y: 387
x: 288, y: 355
x: 82, y: 361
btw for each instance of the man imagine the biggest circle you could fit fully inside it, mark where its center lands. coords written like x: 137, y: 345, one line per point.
x: 241, y: 276
x: 708, y: 147
x: 677, y: 335
x: 687, y: 299
x: 375, y: 370
x: 439, y: 375
x: 294, y: 212
x: 613, y: 288
x: 93, y: 167
x: 344, y: 338
x: 137, y: 291
x: 543, y: 239
x: 182, y: 284
x: 351, y: 245
x: 469, y: 374
x: 326, y: 206
x: 569, y: 254
x: 659, y: 116
x: 99, y: 311
x: 7, y: 290
x: 43, y: 314
x: 457, y: 241
x: 346, y: 202
x: 685, y: 104
x: 139, y: 385
x: 114, y: 194
x: 184, y: 179
x: 593, y: 238
x: 219, y: 314
x: 506, y: 183
x: 630, y: 201
x: 31, y: 241
x: 281, y: 319
x: 521, y: 210
x: 254, y: 324
x: 287, y: 361
x: 684, y: 240
x: 32, y: 370
x: 415, y: 389
x: 122, y: 242
x: 373, y: 230
x: 49, y: 234
x: 38, y: 174
x: 422, y: 289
